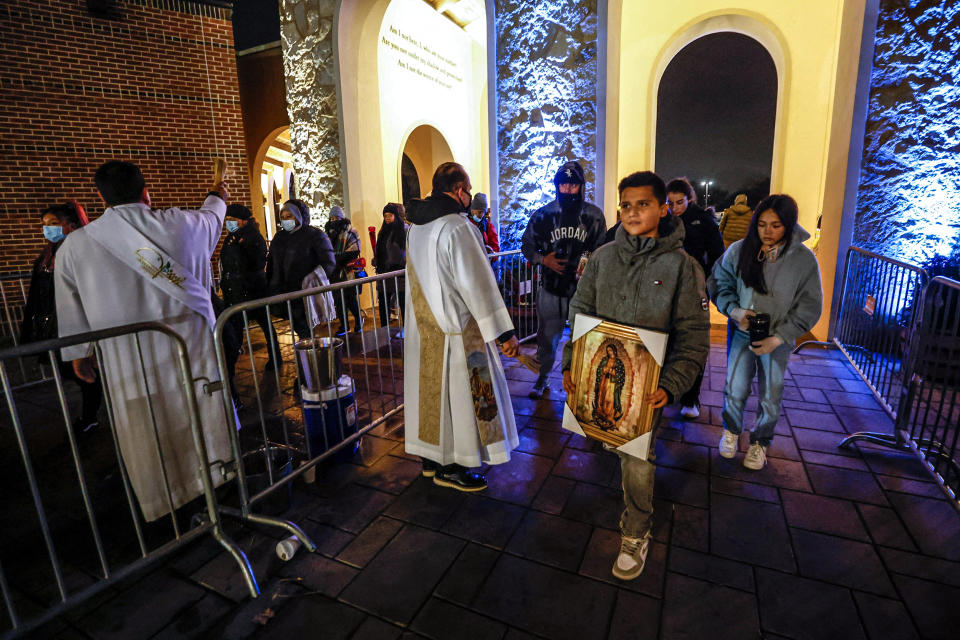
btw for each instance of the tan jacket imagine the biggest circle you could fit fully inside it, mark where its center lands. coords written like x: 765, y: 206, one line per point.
x: 735, y: 221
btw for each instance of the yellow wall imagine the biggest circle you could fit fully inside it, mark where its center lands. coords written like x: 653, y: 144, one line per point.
x: 380, y: 105
x: 815, y: 45
x: 427, y: 150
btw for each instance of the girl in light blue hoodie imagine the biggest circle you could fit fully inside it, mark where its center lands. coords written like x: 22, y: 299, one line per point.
x: 769, y: 271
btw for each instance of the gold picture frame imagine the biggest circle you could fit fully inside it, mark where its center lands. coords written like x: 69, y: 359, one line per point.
x: 613, y: 371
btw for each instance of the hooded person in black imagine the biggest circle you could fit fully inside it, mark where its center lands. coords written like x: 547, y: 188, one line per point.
x: 560, y: 236
x: 704, y: 244
x: 296, y: 250
x: 391, y: 255
x: 242, y: 261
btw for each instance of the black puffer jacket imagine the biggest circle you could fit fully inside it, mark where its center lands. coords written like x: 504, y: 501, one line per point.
x: 391, y: 254
x: 294, y: 254
x: 243, y: 258
x: 703, y: 240
x: 40, y: 311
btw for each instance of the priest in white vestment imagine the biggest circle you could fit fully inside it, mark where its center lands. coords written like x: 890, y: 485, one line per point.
x: 457, y: 409
x: 135, y: 264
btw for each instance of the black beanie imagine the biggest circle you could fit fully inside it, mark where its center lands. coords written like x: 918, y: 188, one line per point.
x: 570, y: 173
x: 239, y: 212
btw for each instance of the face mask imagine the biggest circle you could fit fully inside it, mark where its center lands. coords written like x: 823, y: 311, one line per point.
x: 570, y: 201
x: 466, y: 207
x: 53, y: 234
x: 288, y: 225
x: 232, y: 226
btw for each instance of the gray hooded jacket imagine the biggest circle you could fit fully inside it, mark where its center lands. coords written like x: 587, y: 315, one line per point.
x: 795, y: 298
x: 650, y: 283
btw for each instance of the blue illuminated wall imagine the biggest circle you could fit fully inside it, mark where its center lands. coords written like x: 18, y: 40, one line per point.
x: 908, y: 204
x: 546, y: 102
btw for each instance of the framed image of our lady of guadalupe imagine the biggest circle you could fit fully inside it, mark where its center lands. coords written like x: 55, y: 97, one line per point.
x: 614, y: 368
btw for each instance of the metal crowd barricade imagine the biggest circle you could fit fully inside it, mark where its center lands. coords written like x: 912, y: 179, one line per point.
x: 72, y: 525
x: 13, y: 294
x: 928, y: 420
x: 519, y: 282
x: 265, y: 381
x: 874, y: 322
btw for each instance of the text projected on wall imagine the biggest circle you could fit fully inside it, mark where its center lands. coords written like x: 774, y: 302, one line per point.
x: 431, y: 73
x: 417, y: 57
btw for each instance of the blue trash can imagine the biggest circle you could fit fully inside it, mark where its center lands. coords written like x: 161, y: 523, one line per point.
x: 329, y: 417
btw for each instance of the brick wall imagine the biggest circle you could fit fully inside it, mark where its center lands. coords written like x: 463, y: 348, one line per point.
x: 78, y: 90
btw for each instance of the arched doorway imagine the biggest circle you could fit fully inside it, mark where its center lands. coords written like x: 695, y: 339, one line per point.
x: 424, y: 150
x: 715, y: 95
x: 276, y: 177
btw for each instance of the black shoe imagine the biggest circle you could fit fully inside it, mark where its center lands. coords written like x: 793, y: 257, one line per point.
x: 429, y: 468
x: 459, y: 478
x: 83, y: 425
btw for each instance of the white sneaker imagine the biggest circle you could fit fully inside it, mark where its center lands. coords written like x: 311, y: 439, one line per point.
x: 728, y: 444
x: 632, y: 558
x: 690, y: 412
x: 756, y: 457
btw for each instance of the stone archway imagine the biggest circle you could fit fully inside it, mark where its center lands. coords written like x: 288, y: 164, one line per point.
x: 426, y: 149
x: 273, y: 169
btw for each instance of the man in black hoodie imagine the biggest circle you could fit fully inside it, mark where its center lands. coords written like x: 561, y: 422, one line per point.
x: 559, y: 236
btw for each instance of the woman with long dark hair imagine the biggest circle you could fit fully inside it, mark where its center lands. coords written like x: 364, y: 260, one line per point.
x: 767, y: 273
x: 40, y: 311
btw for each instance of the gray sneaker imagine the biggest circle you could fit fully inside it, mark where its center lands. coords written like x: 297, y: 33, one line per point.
x: 540, y: 388
x: 632, y: 557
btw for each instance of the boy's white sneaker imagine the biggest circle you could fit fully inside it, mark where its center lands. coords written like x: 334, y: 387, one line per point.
x: 728, y: 444
x: 690, y: 412
x: 632, y: 558
x: 756, y: 457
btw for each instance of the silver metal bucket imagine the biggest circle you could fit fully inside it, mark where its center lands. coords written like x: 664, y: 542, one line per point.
x: 319, y: 361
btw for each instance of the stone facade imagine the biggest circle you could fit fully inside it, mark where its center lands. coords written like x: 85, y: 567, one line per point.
x: 546, y: 102
x: 907, y: 205
x: 308, y: 65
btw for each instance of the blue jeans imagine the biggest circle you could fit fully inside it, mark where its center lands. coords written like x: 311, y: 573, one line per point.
x: 742, y: 366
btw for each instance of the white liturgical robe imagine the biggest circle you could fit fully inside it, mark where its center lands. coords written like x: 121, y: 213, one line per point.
x: 456, y: 402
x: 98, y: 286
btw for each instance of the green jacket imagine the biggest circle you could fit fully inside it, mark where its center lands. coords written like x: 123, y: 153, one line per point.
x: 650, y: 283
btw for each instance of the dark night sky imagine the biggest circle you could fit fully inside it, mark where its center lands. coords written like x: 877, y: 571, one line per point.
x: 255, y: 22
x: 716, y: 112
x: 716, y: 108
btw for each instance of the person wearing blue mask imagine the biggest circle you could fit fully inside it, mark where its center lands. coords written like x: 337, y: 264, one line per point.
x: 40, y: 311
x: 242, y: 262
x: 295, y: 251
